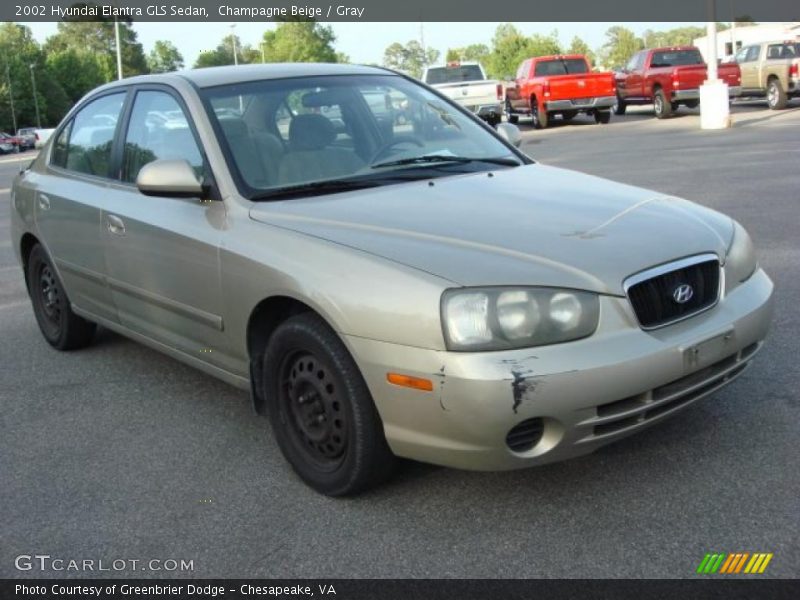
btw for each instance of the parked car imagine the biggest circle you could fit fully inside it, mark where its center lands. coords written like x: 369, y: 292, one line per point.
x: 41, y: 136
x: 559, y: 85
x: 10, y: 142
x: 668, y: 78
x: 467, y: 84
x: 27, y: 137
x: 771, y: 70
x: 438, y: 295
x: 7, y: 147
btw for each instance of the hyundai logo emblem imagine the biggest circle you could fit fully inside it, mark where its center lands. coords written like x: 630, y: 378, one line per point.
x: 683, y: 293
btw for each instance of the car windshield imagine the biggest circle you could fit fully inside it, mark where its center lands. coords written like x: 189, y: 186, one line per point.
x: 302, y: 133
x: 561, y: 66
x: 453, y: 74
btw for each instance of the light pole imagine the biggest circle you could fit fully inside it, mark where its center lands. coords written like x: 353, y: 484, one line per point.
x: 35, y: 98
x: 11, y: 96
x: 233, y: 43
x: 119, y: 48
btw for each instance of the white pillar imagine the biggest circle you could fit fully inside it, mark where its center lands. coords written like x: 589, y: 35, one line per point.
x: 714, y: 107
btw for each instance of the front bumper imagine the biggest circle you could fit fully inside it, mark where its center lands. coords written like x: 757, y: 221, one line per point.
x: 581, y: 103
x: 734, y: 91
x: 587, y: 393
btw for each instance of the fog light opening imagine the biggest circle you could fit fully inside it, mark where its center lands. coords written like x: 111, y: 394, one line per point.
x: 525, y: 435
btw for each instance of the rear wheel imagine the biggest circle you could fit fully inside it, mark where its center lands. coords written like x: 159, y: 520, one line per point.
x: 61, y: 327
x: 540, y: 118
x: 661, y: 107
x: 321, y: 411
x: 692, y: 103
x: 568, y: 115
x: 510, y: 116
x: 776, y: 96
x: 602, y: 116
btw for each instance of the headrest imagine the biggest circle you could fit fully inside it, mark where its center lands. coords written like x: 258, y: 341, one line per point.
x: 234, y: 128
x: 310, y: 132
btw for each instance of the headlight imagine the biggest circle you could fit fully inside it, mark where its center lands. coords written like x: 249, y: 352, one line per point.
x: 740, y: 262
x: 503, y: 318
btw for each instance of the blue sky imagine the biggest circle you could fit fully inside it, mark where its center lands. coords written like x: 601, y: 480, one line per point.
x: 363, y: 42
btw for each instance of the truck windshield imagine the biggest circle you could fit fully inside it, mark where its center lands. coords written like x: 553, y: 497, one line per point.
x: 454, y: 74
x: 676, y: 58
x: 561, y: 66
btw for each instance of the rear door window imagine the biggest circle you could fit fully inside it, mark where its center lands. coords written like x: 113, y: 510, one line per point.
x: 90, y: 137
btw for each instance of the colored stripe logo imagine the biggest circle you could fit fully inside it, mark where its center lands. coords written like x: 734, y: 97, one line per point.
x: 733, y: 563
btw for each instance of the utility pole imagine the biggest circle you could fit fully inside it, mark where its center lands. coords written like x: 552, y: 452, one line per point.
x: 119, y: 48
x: 233, y: 43
x: 35, y: 98
x: 10, y: 96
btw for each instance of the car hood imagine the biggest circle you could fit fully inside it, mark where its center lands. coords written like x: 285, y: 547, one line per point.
x: 530, y: 225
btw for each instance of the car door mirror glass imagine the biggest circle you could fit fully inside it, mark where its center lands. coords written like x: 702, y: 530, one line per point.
x: 510, y: 133
x: 169, y: 177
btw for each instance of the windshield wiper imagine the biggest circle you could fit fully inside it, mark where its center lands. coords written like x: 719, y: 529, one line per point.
x: 318, y: 187
x: 439, y: 158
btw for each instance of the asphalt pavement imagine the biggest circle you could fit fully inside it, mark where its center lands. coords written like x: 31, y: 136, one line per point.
x: 117, y: 452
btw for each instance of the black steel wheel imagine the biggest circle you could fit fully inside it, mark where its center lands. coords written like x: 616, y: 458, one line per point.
x: 321, y: 411
x: 61, y: 327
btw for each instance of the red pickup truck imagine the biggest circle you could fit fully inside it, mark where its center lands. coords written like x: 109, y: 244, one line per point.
x: 667, y: 78
x: 559, y: 85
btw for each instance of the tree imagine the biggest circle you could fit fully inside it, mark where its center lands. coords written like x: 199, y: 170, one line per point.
x: 78, y: 71
x: 578, y: 46
x: 300, y: 41
x: 510, y: 47
x: 223, y: 54
x: 471, y: 53
x: 621, y: 44
x: 164, y: 57
x: 411, y: 58
x: 680, y: 36
x: 98, y: 37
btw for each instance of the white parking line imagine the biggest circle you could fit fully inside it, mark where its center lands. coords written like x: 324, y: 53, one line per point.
x: 23, y: 158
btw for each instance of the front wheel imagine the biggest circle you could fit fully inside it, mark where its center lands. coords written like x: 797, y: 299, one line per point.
x: 61, y: 327
x: 321, y: 411
x: 661, y: 107
x: 620, y: 107
x: 540, y: 118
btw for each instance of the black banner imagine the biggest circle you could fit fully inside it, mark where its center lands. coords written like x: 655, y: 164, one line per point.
x: 399, y: 589
x: 407, y: 10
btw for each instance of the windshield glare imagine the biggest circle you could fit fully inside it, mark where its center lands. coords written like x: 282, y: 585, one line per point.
x: 285, y: 133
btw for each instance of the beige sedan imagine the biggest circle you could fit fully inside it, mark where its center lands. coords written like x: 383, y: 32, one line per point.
x: 385, y: 287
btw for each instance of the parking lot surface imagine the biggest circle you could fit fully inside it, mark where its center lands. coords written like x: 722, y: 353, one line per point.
x: 118, y: 452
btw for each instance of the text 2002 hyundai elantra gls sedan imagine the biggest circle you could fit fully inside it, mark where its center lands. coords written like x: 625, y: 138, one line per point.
x: 383, y: 286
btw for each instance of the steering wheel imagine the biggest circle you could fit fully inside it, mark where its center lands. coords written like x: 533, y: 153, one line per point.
x: 396, y: 141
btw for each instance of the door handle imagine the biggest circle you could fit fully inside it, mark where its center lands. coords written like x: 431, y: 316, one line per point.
x: 115, y: 225
x: 44, y: 202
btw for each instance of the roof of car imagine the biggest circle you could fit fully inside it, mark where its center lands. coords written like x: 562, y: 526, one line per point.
x: 212, y: 76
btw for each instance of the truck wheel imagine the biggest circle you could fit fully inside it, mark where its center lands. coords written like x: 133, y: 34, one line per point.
x: 620, y: 106
x: 602, y: 116
x: 510, y: 116
x: 776, y: 96
x: 662, y: 108
x: 692, y: 103
x: 540, y: 118
x: 568, y: 115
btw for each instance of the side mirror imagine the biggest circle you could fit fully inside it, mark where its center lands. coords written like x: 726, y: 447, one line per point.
x: 169, y: 177
x: 510, y: 133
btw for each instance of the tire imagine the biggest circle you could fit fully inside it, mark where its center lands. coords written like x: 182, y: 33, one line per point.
x: 540, y: 118
x: 62, y: 328
x: 776, y: 95
x: 620, y: 107
x: 662, y: 108
x: 602, y: 116
x: 510, y: 116
x: 321, y: 411
x: 692, y: 103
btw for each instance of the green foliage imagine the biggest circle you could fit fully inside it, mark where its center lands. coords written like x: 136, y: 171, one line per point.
x: 164, y: 57
x: 578, y: 46
x: 78, y: 71
x: 411, y: 58
x: 471, y: 53
x: 621, y: 44
x: 680, y: 36
x: 510, y: 47
x: 300, y: 41
x: 223, y: 54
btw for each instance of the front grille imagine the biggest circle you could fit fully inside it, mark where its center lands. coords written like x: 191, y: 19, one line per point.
x: 654, y: 298
x: 617, y: 416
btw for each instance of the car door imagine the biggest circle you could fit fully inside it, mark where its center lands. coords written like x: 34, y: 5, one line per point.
x: 747, y: 58
x: 163, y: 253
x: 68, y: 200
